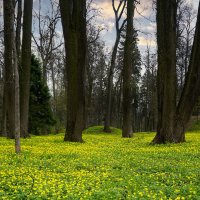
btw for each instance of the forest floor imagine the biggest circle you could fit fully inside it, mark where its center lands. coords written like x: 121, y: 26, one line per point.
x: 105, y: 166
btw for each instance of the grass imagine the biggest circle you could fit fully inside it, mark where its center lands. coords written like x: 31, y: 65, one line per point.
x: 195, y: 126
x: 106, y: 167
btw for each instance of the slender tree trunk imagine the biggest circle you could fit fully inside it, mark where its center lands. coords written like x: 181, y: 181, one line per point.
x: 110, y: 86
x: 18, y: 28
x: 4, y: 114
x: 44, y: 71
x: 4, y: 110
x: 16, y: 100
x: 25, y: 67
x: 57, y: 127
x: 73, y: 14
x: 191, y: 89
x: 127, y: 130
x: 118, y: 15
x: 166, y: 78
x: 54, y: 88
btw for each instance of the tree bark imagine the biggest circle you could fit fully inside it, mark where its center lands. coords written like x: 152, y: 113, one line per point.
x: 127, y: 130
x: 191, y: 90
x: 9, y: 70
x: 110, y: 85
x: 11, y: 74
x: 18, y: 28
x: 25, y: 67
x: 4, y: 114
x: 118, y: 14
x: 166, y: 78
x: 16, y: 100
x: 73, y: 15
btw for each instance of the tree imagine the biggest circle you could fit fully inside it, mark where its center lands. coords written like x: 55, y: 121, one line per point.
x: 40, y: 112
x: 186, y: 15
x: 127, y: 130
x: 166, y: 79
x: 73, y: 15
x: 117, y: 100
x: 47, y: 42
x: 25, y: 67
x: 147, y: 94
x: 93, y: 53
x: 172, y: 120
x: 2, y: 96
x: 95, y: 82
x: 119, y: 11
x: 191, y: 90
x: 18, y: 29
x: 11, y: 75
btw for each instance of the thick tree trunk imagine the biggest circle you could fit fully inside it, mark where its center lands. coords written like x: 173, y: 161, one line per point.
x: 127, y: 130
x: 73, y: 14
x: 25, y: 67
x: 11, y: 74
x: 1, y: 106
x: 9, y: 70
x: 191, y: 89
x: 166, y: 78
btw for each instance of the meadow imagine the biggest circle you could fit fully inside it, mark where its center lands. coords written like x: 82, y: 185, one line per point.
x: 105, y: 166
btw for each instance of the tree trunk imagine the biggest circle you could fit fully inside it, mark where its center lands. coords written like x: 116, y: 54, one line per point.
x: 110, y: 85
x: 44, y: 71
x: 127, y: 130
x: 25, y: 67
x: 191, y: 89
x: 1, y: 106
x: 73, y: 15
x: 119, y: 27
x: 4, y: 114
x: 9, y: 70
x: 11, y: 74
x: 16, y: 100
x: 18, y: 28
x: 166, y: 78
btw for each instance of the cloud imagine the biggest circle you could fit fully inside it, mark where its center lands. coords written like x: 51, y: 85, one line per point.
x: 148, y: 28
x: 142, y: 9
x: 105, y: 6
x: 146, y: 41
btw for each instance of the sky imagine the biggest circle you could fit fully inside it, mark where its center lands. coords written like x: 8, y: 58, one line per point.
x: 144, y: 21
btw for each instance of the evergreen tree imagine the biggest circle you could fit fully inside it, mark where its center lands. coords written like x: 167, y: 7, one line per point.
x: 135, y: 74
x: 40, y: 113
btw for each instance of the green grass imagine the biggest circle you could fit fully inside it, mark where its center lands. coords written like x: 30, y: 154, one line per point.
x: 195, y: 126
x: 105, y: 166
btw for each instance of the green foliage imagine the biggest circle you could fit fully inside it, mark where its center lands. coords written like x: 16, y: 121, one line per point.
x: 99, y: 130
x: 40, y: 113
x: 106, y: 166
x: 195, y: 127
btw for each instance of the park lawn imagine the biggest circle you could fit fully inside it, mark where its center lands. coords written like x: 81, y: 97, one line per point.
x: 105, y: 166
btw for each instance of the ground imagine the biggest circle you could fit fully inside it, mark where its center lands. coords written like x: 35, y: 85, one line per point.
x: 105, y: 166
